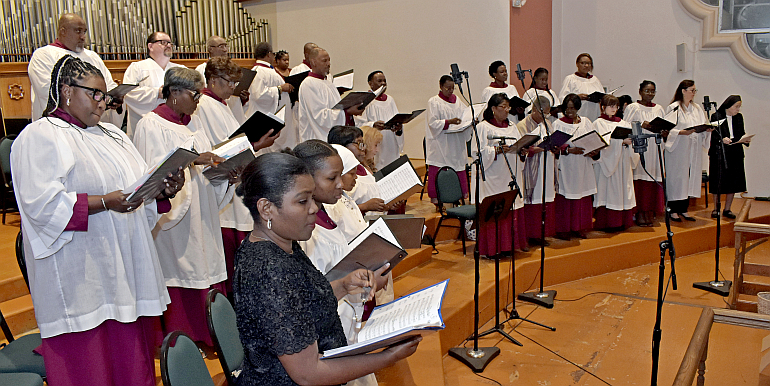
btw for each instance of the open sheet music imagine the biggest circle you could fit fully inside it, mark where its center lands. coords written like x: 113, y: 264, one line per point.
x: 371, y: 249
x: 236, y: 152
x: 151, y: 183
x: 467, y: 118
x: 399, y: 183
x: 414, y: 314
x: 590, y: 141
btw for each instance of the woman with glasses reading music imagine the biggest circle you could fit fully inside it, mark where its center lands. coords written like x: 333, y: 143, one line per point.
x: 94, y: 274
x: 583, y: 83
x: 188, y: 239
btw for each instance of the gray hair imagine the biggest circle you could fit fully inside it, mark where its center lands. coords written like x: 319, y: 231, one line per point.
x: 181, y: 78
x: 544, y: 103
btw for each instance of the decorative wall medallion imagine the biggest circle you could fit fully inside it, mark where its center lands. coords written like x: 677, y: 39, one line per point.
x: 15, y: 91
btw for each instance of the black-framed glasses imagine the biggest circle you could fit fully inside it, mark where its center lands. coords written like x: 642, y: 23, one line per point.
x: 164, y: 43
x: 96, y: 94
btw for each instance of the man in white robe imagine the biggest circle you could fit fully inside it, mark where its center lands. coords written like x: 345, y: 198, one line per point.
x: 376, y: 114
x: 70, y: 40
x: 217, y: 46
x: 317, y: 97
x: 268, y: 92
x: 148, y: 74
x: 305, y: 65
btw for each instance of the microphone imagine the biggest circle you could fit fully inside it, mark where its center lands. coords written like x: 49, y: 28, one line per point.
x: 519, y: 71
x: 456, y: 74
x: 493, y: 137
x: 706, y: 104
x: 639, y: 140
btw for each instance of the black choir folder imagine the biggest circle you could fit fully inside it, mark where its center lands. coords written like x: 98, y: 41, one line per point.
x: 247, y: 76
x: 525, y: 141
x: 151, y: 183
x: 403, y: 118
x: 597, y: 96
x: 590, y: 141
x: 398, y: 180
x: 259, y: 124
x: 362, y: 98
x: 237, y: 152
x: 296, y: 80
x: 371, y: 249
x: 418, y: 313
x: 120, y: 91
x: 556, y: 139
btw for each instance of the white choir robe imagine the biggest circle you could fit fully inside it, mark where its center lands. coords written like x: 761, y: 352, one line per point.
x: 496, y: 171
x: 143, y: 99
x: 576, y: 171
x: 532, y: 185
x: 366, y: 189
x: 574, y: 84
x: 509, y: 90
x: 234, y: 102
x: 614, y: 170
x: 684, y: 153
x: 315, y: 113
x: 218, y: 124
x: 442, y: 148
x: 640, y: 113
x: 188, y: 238
x: 265, y: 97
x: 532, y: 94
x: 40, y: 67
x: 300, y: 68
x: 80, y: 279
x: 392, y: 145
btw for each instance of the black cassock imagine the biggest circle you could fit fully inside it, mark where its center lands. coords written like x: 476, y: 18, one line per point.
x: 733, y: 179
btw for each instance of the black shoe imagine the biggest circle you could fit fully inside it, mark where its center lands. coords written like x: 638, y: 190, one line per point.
x: 686, y: 217
x: 729, y: 214
x: 537, y: 242
x: 715, y: 214
x: 676, y: 219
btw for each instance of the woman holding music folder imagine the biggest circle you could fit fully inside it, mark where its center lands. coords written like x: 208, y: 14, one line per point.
x: 684, y: 150
x: 539, y: 88
x: 576, y: 179
x: 733, y: 136
x: 583, y: 83
x: 498, y: 176
x: 285, y: 308
x: 615, y: 200
x: 189, y: 238
x: 499, y: 74
x: 93, y: 269
x: 647, y: 179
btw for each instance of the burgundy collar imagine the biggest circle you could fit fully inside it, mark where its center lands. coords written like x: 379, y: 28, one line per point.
x: 360, y: 170
x: 645, y: 104
x: 382, y: 98
x: 279, y: 73
x: 541, y: 88
x: 589, y: 76
x: 305, y: 62
x: 609, y: 118
x: 323, y: 220
x: 262, y: 64
x: 452, y: 98
x: 317, y: 76
x: 207, y: 91
x: 503, y: 124
x: 58, y: 43
x: 567, y: 120
x: 170, y: 115
x: 64, y: 116
x: 495, y: 85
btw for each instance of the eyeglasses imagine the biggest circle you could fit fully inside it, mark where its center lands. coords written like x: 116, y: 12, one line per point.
x: 648, y: 91
x: 223, y: 45
x: 692, y: 91
x: 195, y: 94
x: 229, y: 82
x: 164, y: 43
x: 361, y: 145
x: 96, y: 94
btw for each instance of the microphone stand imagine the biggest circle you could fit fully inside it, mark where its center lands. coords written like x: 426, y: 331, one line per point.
x: 476, y: 358
x: 541, y: 298
x: 719, y: 287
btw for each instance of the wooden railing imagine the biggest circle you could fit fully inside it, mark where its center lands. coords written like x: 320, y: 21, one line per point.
x: 743, y: 229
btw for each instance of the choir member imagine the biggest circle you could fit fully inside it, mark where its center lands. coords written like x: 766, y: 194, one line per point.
x: 615, y: 200
x: 268, y: 92
x: 282, y: 63
x: 372, y: 142
x: 376, y: 114
x: 539, y: 87
x: 647, y: 188
x: 217, y: 46
x: 499, y: 73
x: 443, y: 147
x: 366, y: 193
x: 534, y: 176
x: 94, y: 271
x: 307, y: 49
x: 189, y: 238
x: 684, y: 148
x: 70, y: 40
x: 285, y: 308
x: 732, y: 179
x: 583, y: 83
x: 576, y: 181
x: 498, y: 177
x: 317, y: 97
x: 148, y: 74
x: 624, y: 101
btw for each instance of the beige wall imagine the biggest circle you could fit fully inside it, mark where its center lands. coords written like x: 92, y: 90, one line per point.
x: 413, y: 42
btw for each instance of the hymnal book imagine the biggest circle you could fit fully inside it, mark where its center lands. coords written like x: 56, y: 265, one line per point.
x: 400, y: 182
x: 621, y: 132
x: 403, y: 118
x: 295, y: 80
x: 343, y: 81
x: 407, y: 228
x: 418, y: 313
x: 590, y: 141
x: 151, y: 184
x: 597, y: 96
x: 121, y: 90
x: 387, y: 169
x: 556, y: 139
x: 467, y: 118
x: 517, y: 102
x: 247, y: 76
x: 236, y: 152
x: 745, y: 136
x: 524, y: 142
x: 659, y: 124
x: 362, y: 98
x: 371, y: 249
x: 258, y: 125
x: 705, y: 126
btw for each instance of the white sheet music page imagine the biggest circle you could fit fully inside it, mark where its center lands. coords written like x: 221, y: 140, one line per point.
x: 398, y: 182
x: 380, y: 228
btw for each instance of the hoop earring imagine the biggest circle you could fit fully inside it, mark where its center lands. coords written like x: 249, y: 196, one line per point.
x: 68, y: 101
x: 269, y: 224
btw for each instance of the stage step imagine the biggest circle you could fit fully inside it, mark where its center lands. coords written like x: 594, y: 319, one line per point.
x: 746, y: 303
x: 12, y: 288
x: 752, y: 284
x: 19, y: 314
x: 415, y: 258
x: 756, y: 269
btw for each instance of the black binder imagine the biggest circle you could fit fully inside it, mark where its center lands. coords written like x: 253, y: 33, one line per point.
x: 258, y: 125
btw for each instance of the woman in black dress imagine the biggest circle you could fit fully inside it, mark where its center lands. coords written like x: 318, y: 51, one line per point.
x: 286, y: 310
x: 732, y: 179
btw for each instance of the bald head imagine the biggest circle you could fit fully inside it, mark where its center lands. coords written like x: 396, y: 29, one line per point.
x: 217, y: 46
x: 319, y: 60
x: 307, y: 49
x: 72, y: 32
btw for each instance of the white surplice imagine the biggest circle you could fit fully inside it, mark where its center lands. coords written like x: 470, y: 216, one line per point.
x: 614, y: 169
x: 392, y: 145
x: 234, y: 102
x: 443, y: 148
x: 366, y: 189
x: 80, y: 279
x: 496, y: 170
x: 579, y: 85
x: 532, y: 94
x: 576, y: 171
x: 266, y: 97
x: 143, y: 99
x: 315, y: 113
x: 188, y: 238
x: 218, y: 124
x: 640, y: 113
x: 509, y: 90
x: 533, y: 168
x: 684, y: 153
